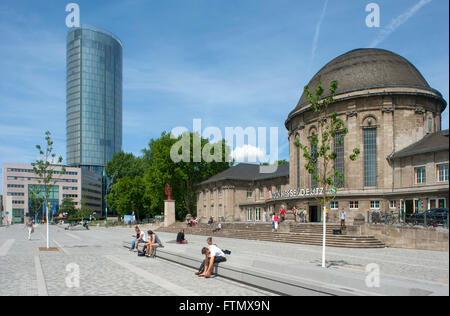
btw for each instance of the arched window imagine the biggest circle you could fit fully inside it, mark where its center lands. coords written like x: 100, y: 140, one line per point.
x: 370, y: 157
x: 339, y: 161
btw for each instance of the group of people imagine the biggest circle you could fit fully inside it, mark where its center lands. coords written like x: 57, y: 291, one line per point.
x: 301, y: 215
x: 150, y: 240
x: 192, y: 221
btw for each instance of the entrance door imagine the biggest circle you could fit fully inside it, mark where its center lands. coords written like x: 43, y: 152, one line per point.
x: 409, y: 207
x: 314, y: 215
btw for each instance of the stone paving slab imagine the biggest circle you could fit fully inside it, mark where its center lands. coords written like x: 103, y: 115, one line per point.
x: 344, y: 277
x: 104, y: 268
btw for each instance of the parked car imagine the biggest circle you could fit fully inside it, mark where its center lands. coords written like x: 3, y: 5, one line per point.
x: 434, y: 216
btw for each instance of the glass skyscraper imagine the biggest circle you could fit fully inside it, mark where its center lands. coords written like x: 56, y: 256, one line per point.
x: 94, y: 97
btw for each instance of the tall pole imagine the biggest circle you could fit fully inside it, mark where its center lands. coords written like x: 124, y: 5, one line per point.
x: 47, y: 207
x: 324, y: 219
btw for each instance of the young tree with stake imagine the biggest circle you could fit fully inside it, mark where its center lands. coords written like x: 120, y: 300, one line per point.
x: 44, y: 169
x: 319, y: 152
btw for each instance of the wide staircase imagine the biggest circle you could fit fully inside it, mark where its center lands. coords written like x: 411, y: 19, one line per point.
x: 308, y: 234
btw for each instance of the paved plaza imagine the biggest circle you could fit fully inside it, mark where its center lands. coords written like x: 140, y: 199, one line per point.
x: 107, y: 268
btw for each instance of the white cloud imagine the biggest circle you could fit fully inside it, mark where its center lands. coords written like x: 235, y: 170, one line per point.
x: 317, y: 33
x: 395, y: 23
x: 248, y: 153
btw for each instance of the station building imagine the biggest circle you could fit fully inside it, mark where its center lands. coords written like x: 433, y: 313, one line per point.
x: 393, y: 117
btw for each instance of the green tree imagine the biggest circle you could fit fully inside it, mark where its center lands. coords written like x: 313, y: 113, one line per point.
x: 278, y: 162
x: 182, y: 176
x: 319, y: 152
x: 84, y: 211
x: 68, y: 207
x: 35, y: 200
x: 125, y: 165
x: 130, y: 195
x: 44, y: 169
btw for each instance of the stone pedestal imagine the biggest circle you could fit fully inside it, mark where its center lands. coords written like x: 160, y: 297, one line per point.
x: 169, y: 213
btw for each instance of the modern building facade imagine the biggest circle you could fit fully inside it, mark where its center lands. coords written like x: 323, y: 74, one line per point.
x: 393, y: 117
x: 94, y: 98
x: 20, y: 183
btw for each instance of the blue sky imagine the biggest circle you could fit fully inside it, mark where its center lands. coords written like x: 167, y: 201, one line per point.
x: 228, y: 62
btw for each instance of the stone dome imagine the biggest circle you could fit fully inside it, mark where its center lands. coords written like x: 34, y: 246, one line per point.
x: 363, y: 69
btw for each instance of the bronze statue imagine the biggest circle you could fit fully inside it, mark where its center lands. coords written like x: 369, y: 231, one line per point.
x: 168, y: 191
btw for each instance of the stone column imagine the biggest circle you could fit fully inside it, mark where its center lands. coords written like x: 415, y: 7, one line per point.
x: 169, y: 212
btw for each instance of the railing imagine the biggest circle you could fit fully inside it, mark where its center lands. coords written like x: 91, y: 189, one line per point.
x: 401, y: 218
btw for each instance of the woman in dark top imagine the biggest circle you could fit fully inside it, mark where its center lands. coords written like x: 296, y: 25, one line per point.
x: 180, y: 237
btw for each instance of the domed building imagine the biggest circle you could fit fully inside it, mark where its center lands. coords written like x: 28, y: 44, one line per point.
x: 393, y: 117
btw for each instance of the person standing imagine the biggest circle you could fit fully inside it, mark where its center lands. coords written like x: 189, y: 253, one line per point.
x: 294, y: 211
x: 342, y: 218
x: 282, y: 213
x: 275, y: 220
x: 29, y: 226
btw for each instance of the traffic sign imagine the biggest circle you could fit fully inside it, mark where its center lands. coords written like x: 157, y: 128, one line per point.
x: 333, y: 190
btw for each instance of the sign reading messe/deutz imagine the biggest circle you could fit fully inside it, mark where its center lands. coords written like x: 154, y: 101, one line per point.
x: 295, y: 193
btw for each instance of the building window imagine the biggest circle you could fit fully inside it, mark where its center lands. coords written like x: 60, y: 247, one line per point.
x: 334, y: 205
x: 261, y: 193
x: 16, y: 194
x: 370, y: 157
x: 339, y: 160
x: 249, y: 193
x: 416, y: 206
x: 249, y: 214
x: 442, y: 171
x: 392, y: 204
x: 375, y: 205
x: 220, y: 211
x: 204, y: 195
x: 257, y: 214
x: 420, y: 175
x: 220, y: 192
x: 354, y: 204
x: 435, y: 203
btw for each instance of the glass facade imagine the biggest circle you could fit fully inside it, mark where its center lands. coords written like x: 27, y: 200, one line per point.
x: 370, y: 157
x: 339, y: 161
x: 94, y: 98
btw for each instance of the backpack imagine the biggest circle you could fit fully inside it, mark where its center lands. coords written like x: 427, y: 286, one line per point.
x: 142, y: 253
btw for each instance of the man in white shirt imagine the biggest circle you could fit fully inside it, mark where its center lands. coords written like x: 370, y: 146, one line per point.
x: 212, y: 255
x: 139, y: 238
x: 342, y: 218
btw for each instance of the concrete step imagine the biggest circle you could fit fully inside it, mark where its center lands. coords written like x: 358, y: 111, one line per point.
x: 298, y: 238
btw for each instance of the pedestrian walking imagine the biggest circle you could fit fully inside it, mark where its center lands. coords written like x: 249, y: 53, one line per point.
x: 29, y: 227
x: 275, y: 222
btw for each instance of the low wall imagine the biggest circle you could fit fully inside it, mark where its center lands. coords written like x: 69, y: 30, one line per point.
x: 409, y: 237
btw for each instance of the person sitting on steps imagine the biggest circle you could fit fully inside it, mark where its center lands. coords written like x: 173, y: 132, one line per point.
x: 139, y: 238
x: 212, y: 255
x: 180, y: 237
x: 153, y: 243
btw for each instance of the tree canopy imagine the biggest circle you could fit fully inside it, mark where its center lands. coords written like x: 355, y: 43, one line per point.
x: 138, y: 183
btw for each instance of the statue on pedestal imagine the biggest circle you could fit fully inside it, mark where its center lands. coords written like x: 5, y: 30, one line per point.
x: 168, y: 191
